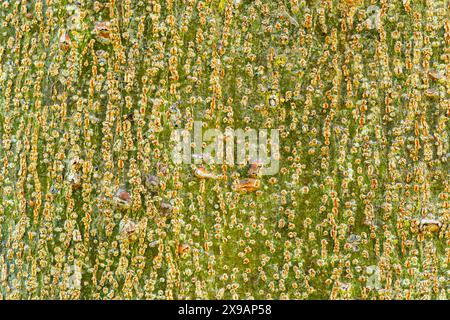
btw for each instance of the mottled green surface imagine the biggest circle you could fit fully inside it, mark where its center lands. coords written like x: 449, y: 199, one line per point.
x: 359, y: 209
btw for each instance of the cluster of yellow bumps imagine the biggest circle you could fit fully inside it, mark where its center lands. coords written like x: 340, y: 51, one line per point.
x: 93, y: 207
